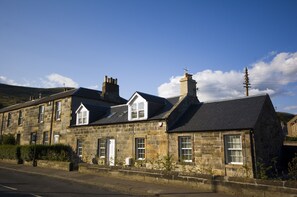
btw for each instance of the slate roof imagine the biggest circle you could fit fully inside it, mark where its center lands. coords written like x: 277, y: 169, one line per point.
x: 80, y: 92
x: 152, y: 98
x: 235, y: 114
x: 39, y: 101
x: 119, y: 114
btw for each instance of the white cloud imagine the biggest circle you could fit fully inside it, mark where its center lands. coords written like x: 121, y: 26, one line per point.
x: 50, y: 81
x: 291, y: 108
x: 5, y: 80
x: 94, y: 87
x: 265, y: 77
x: 56, y: 80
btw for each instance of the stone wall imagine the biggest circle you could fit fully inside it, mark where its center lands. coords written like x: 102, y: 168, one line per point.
x: 30, y: 122
x: 235, y: 186
x: 154, y: 133
x: 268, y: 135
x: 208, y: 147
x: 209, y: 154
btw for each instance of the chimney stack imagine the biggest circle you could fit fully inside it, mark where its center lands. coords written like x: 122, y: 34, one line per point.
x: 110, y: 88
x: 188, y: 86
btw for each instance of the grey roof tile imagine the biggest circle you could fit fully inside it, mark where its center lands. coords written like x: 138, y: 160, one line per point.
x: 224, y: 115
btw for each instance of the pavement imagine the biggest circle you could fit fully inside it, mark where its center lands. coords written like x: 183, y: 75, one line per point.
x: 122, y: 185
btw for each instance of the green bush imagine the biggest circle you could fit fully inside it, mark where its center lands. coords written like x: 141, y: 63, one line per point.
x: 292, y: 168
x: 42, y: 152
x: 8, y: 139
x: 9, y: 152
x: 292, y: 139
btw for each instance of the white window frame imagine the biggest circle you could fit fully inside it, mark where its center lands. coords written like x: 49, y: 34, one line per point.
x: 232, y: 147
x: 41, y: 113
x: 58, y: 106
x: 185, y: 149
x: 82, y: 115
x: 139, y: 148
x: 101, y: 148
x: 137, y: 108
x: 79, y: 148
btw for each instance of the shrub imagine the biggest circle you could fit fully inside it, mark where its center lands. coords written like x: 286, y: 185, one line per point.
x: 289, y: 138
x: 168, y: 163
x: 292, y: 168
x: 46, y: 152
x: 8, y: 139
x: 9, y: 152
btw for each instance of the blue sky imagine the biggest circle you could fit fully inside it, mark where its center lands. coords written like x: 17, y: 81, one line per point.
x: 147, y: 44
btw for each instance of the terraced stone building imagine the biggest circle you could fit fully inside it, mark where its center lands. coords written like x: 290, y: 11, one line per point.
x: 223, y: 138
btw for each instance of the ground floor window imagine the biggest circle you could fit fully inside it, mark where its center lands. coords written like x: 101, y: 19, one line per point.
x: 101, y: 148
x: 233, y: 149
x: 185, y: 148
x: 45, y: 138
x: 33, y: 138
x: 139, y: 148
x: 79, y: 148
x: 56, y: 139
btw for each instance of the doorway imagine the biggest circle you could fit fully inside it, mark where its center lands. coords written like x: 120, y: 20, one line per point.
x: 111, y: 152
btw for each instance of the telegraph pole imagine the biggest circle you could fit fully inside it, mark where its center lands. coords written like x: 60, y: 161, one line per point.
x: 246, y: 83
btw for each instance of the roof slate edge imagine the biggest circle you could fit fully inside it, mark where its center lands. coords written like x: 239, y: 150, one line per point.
x: 37, y: 101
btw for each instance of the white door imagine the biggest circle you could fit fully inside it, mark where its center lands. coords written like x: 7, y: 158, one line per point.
x: 111, y: 151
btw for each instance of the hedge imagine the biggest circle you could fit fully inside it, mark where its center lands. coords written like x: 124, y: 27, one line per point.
x: 57, y: 152
x: 9, y: 152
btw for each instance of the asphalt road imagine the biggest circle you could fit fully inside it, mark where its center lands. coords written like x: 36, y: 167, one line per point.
x: 18, y: 184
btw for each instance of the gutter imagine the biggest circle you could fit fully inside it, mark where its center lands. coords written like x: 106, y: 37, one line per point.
x: 2, y: 126
x: 52, y: 122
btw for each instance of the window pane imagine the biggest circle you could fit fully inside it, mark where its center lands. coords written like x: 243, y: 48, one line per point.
x: 185, y: 149
x: 141, y: 114
x: 134, y: 114
x: 140, y: 148
x: 79, y: 148
x: 233, y: 149
x: 134, y: 107
x: 140, y: 106
x: 101, y: 148
x: 45, y: 138
x: 58, y: 110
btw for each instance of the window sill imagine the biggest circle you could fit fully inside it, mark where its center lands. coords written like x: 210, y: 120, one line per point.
x: 186, y: 163
x: 233, y: 164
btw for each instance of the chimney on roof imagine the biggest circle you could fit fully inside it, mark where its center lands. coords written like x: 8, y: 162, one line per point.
x: 110, y: 88
x: 188, y: 85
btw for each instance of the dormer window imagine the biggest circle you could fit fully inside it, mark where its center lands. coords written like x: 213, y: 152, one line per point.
x: 137, y: 108
x: 82, y: 115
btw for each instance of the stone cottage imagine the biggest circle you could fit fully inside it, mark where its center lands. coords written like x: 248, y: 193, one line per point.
x: 180, y: 133
x: 46, y: 120
x: 223, y: 138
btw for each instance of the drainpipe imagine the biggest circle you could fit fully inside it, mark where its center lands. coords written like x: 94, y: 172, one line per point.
x: 253, y: 151
x: 2, y: 126
x: 52, y: 122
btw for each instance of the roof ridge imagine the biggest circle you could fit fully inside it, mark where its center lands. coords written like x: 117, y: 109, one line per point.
x: 234, y: 99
